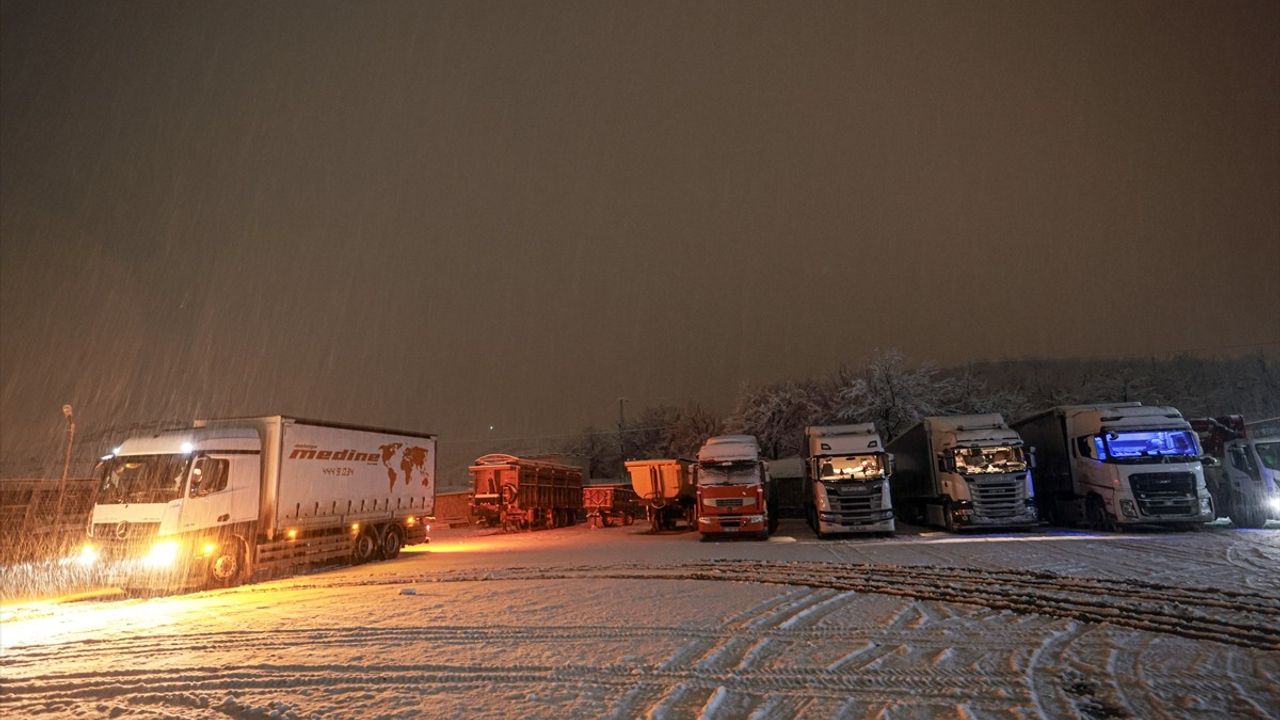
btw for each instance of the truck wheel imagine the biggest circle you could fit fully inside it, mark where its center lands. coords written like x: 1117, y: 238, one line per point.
x: 364, y: 548
x: 226, y: 567
x: 391, y: 543
x: 1099, y: 519
x: 628, y: 519
x: 948, y: 518
x: 1250, y: 516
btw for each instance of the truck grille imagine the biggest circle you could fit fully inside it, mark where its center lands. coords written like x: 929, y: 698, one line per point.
x: 729, y: 502
x: 856, y: 501
x: 1167, y: 493
x: 114, y: 539
x: 999, y: 497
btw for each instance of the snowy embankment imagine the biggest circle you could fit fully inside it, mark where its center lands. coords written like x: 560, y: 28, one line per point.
x: 616, y: 623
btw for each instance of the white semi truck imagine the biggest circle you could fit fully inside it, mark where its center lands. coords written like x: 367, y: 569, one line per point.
x: 1117, y: 464
x: 212, y: 504
x: 1241, y: 469
x: 847, y: 473
x: 963, y: 471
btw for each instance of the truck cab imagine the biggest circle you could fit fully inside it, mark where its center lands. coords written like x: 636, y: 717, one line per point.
x: 1120, y: 464
x: 965, y: 471
x: 847, y: 473
x: 733, y: 488
x: 1242, y: 472
x: 179, y: 503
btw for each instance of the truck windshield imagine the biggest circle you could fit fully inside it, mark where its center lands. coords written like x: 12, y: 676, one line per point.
x: 852, y: 467
x: 735, y: 474
x: 143, y: 479
x: 999, y: 459
x: 1142, y: 445
x: 1269, y: 452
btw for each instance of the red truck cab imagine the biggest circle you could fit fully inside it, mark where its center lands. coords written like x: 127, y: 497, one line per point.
x: 733, y: 488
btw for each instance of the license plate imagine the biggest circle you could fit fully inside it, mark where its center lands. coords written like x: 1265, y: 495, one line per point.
x: 730, y: 529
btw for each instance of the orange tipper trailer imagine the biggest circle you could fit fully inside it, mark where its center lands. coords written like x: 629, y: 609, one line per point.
x: 523, y: 493
x: 733, y: 488
x: 667, y: 489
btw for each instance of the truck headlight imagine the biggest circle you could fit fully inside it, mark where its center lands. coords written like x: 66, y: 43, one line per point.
x: 1126, y: 507
x: 88, y: 555
x: 163, y: 554
x: 1274, y: 503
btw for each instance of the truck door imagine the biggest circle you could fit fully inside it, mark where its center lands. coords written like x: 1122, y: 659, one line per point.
x: 223, y: 490
x: 1242, y: 471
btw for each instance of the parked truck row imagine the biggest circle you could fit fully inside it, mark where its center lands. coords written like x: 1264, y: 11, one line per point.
x: 223, y: 501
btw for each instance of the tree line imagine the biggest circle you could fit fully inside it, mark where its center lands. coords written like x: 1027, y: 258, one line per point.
x: 894, y: 393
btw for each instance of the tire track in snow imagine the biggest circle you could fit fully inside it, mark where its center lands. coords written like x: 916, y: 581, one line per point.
x: 1247, y: 619
x: 202, y: 681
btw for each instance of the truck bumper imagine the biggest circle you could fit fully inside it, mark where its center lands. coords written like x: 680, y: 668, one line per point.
x: 981, y: 521
x: 1130, y: 513
x: 732, y: 524
x: 881, y: 521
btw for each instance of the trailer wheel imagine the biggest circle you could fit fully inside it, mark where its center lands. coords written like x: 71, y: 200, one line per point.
x: 365, y: 547
x: 226, y: 568
x: 392, y: 541
x: 628, y: 519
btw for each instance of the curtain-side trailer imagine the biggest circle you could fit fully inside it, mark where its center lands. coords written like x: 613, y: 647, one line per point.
x: 963, y: 471
x: 215, y: 503
x: 1117, y: 464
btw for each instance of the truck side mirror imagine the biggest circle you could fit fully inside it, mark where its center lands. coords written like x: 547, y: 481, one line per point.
x: 893, y: 464
x: 1031, y: 457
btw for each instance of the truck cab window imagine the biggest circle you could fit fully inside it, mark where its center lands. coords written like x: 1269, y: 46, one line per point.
x: 208, y: 476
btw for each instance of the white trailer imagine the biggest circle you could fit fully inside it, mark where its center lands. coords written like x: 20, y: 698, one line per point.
x: 847, y: 472
x: 1118, y: 464
x: 215, y: 503
x: 964, y: 471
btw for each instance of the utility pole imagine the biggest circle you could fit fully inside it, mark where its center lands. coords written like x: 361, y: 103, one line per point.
x: 622, y: 442
x: 66, y: 463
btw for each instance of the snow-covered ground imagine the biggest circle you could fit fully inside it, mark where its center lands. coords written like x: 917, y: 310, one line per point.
x: 617, y: 623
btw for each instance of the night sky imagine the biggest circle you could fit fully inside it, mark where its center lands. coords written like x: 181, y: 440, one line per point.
x: 449, y: 215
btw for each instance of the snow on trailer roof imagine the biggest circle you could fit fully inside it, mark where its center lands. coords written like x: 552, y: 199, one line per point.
x: 201, y: 423
x: 660, y: 461
x: 493, y: 460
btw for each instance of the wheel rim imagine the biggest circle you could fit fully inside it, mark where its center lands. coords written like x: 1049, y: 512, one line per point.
x: 392, y: 545
x: 225, y: 567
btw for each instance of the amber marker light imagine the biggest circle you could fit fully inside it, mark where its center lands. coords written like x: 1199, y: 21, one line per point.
x: 292, y: 534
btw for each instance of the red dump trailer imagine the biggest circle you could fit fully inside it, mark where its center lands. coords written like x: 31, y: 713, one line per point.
x: 610, y: 504
x: 522, y: 493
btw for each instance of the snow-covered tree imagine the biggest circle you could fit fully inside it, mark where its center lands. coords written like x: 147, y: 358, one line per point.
x: 665, y: 431
x: 777, y: 414
x: 893, y: 394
